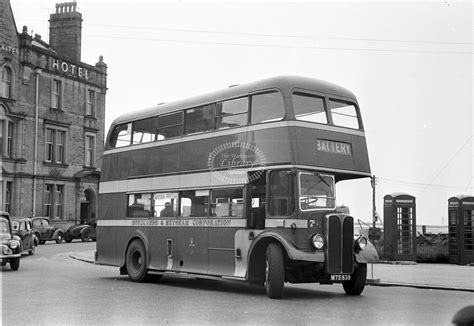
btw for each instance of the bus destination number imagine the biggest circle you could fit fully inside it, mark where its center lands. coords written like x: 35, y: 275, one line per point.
x: 341, y: 277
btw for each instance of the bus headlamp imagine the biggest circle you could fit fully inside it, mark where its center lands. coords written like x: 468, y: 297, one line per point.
x: 318, y: 241
x: 361, y: 243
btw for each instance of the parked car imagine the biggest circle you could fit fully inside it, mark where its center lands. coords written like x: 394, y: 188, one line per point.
x: 23, y: 228
x: 44, y: 231
x: 11, y: 244
x: 85, y: 232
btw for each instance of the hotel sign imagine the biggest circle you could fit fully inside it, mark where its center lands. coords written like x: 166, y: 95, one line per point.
x: 334, y: 147
x: 9, y: 49
x: 69, y: 69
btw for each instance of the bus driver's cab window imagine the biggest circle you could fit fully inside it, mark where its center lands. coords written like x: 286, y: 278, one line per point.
x: 280, y: 189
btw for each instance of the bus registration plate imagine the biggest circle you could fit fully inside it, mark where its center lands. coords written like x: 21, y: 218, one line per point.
x: 340, y: 277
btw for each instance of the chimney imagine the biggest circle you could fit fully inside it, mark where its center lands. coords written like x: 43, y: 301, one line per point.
x: 65, y: 29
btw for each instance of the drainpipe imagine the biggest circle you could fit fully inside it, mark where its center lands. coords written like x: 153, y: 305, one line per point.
x: 37, y: 74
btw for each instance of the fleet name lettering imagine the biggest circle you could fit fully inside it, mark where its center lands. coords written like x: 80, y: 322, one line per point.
x: 190, y: 222
x: 333, y: 147
x: 69, y: 68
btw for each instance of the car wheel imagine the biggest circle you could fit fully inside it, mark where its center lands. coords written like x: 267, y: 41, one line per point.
x: 136, y: 261
x: 85, y: 236
x: 60, y: 238
x: 15, y: 263
x: 32, y: 250
x: 274, y: 271
x: 358, y: 278
x: 67, y: 238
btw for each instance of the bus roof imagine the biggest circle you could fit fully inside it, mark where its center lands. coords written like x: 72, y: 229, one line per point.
x: 280, y: 82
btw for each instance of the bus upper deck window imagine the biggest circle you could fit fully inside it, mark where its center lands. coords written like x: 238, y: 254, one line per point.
x: 170, y: 125
x: 144, y: 131
x: 309, y: 108
x: 344, y: 114
x: 199, y: 119
x: 232, y: 113
x: 267, y: 107
x: 121, y: 135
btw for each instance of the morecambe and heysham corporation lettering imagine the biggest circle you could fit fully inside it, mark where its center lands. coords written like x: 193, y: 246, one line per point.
x: 182, y: 222
x: 333, y: 147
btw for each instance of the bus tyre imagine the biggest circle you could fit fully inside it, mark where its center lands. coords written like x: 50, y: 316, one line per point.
x: 357, y: 283
x: 136, y: 262
x: 274, y: 271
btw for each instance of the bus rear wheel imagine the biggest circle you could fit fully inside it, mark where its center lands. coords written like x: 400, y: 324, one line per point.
x: 358, y: 278
x: 274, y: 271
x: 136, y: 261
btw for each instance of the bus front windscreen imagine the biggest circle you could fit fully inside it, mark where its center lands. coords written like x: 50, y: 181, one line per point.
x: 316, y: 191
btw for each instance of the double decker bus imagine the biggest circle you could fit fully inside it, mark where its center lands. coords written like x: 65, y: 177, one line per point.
x: 240, y: 184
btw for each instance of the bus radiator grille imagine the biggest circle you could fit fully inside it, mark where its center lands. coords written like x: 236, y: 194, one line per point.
x: 340, y: 244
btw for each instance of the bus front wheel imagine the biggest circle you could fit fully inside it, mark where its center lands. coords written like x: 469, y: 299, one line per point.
x: 274, y: 271
x: 136, y: 261
x: 358, y: 278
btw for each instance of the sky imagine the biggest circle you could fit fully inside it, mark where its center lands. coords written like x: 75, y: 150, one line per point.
x: 410, y: 64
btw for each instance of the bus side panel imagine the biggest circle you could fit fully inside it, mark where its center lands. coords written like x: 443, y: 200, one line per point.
x: 106, y: 245
x: 112, y: 209
x: 222, y: 250
x: 163, y: 244
x: 271, y: 145
x: 193, y: 254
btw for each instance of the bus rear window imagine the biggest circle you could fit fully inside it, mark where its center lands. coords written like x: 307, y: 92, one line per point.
x: 121, y: 135
x: 344, y: 114
x: 309, y: 108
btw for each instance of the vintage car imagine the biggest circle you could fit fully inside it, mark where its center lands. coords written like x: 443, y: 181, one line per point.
x: 22, y: 227
x: 85, y: 232
x: 11, y: 245
x: 44, y: 231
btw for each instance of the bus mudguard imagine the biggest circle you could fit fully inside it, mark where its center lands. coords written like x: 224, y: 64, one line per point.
x: 136, y: 234
x: 292, y: 252
x: 367, y: 255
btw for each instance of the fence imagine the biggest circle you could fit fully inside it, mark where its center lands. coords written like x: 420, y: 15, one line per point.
x: 430, y: 248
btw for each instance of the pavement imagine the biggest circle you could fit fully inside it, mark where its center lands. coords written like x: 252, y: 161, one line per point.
x: 407, y: 274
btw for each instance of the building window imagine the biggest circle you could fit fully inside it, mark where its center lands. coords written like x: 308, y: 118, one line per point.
x: 90, y: 150
x: 8, y: 197
x: 6, y: 87
x: 6, y: 138
x: 55, y: 141
x: 47, y: 199
x: 58, y: 201
x: 54, y: 201
x: 90, y: 103
x: 56, y: 94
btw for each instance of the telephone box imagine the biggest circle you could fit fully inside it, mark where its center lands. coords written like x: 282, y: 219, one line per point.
x: 399, y: 227
x: 461, y: 229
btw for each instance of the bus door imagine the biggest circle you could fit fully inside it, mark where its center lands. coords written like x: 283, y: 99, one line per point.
x: 227, y: 217
x: 193, y: 232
